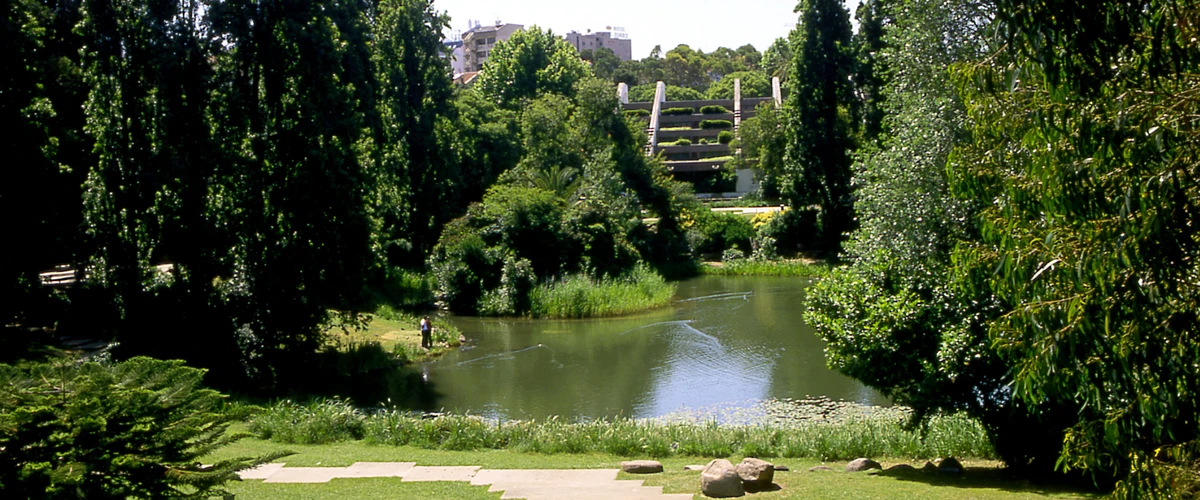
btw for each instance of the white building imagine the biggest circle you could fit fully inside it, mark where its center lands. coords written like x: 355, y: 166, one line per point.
x: 479, y: 41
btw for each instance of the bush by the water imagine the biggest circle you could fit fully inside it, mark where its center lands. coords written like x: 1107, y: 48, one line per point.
x: 882, y: 434
x: 97, y: 430
x: 580, y: 296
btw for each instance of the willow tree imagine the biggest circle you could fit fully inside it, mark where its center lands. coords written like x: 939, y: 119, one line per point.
x: 1087, y: 151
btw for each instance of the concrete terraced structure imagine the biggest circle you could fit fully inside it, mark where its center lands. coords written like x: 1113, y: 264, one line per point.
x: 697, y: 157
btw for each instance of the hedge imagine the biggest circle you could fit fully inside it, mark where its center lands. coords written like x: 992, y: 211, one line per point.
x: 713, y: 110
x: 711, y: 124
x: 678, y: 111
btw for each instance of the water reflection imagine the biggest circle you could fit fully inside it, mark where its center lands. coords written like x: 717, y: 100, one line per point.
x: 726, y: 341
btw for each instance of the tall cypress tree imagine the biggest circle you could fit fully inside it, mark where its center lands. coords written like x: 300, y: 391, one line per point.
x: 817, y: 161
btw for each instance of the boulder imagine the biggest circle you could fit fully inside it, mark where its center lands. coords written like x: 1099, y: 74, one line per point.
x: 819, y: 468
x: 861, y: 464
x: 900, y: 468
x: 783, y: 468
x: 692, y: 468
x: 720, y: 480
x: 756, y: 474
x: 929, y: 467
x: 949, y: 465
x: 641, y: 467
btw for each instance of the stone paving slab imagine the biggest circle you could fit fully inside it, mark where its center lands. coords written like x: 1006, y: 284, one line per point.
x: 261, y: 472
x: 551, y: 476
x: 445, y: 473
x: 304, y: 475
x: 376, y: 469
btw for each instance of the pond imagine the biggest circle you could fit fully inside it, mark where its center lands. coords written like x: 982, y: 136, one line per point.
x: 725, y: 344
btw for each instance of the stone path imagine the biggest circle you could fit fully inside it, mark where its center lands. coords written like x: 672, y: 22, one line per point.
x: 530, y: 484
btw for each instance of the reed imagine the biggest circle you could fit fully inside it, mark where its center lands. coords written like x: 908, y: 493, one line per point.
x: 579, y: 296
x: 882, y: 434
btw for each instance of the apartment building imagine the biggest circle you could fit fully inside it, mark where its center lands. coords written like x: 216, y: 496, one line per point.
x: 479, y: 41
x: 615, y: 40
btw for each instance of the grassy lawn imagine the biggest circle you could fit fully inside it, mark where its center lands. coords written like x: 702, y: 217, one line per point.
x: 390, y: 328
x: 983, y: 479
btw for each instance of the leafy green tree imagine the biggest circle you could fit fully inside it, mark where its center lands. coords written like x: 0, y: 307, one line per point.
x: 872, y: 17
x: 685, y: 67
x: 530, y: 63
x: 893, y: 318
x: 41, y: 110
x: 128, y: 430
x: 604, y: 62
x: 645, y: 93
x: 1086, y: 154
x: 818, y: 157
x: 763, y: 139
x: 776, y: 58
x: 754, y: 84
x: 414, y: 90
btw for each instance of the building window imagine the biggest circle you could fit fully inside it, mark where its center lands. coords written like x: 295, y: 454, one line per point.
x: 479, y: 41
x: 491, y: 41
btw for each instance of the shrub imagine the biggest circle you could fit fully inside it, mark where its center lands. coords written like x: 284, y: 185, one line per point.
x: 678, y: 111
x: 732, y: 254
x: 713, y: 110
x: 722, y: 231
x: 682, y: 142
x: 711, y: 124
x: 725, y: 137
x: 637, y: 113
x: 131, y: 429
x: 792, y: 228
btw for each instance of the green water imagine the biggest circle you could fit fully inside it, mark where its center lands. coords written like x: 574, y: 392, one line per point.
x: 726, y: 342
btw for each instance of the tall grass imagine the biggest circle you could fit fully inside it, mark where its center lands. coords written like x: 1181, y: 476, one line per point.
x: 876, y: 435
x: 748, y: 267
x: 579, y: 296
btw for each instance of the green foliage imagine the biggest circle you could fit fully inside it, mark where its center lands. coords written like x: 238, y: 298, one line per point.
x: 716, y: 124
x: 684, y: 67
x: 725, y: 137
x: 776, y: 59
x: 719, y: 231
x: 764, y: 139
x: 878, y: 435
x: 132, y: 429
x: 816, y: 167
x: 530, y: 63
x: 763, y: 267
x: 637, y: 113
x: 319, y: 422
x: 754, y: 84
x: 678, y: 111
x: 713, y: 110
x: 645, y: 93
x: 1087, y: 239
x: 680, y: 142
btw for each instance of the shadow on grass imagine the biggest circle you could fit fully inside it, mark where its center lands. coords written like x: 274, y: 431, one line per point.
x: 998, y: 479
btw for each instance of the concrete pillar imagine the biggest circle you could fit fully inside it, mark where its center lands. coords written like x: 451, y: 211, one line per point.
x: 737, y: 104
x: 776, y: 93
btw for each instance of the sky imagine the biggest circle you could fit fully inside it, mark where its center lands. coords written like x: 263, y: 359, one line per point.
x: 701, y: 24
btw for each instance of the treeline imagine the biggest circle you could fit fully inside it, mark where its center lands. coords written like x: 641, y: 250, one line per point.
x: 1026, y: 247
x: 232, y: 180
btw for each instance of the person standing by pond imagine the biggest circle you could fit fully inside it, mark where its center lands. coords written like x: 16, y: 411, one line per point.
x: 426, y: 333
